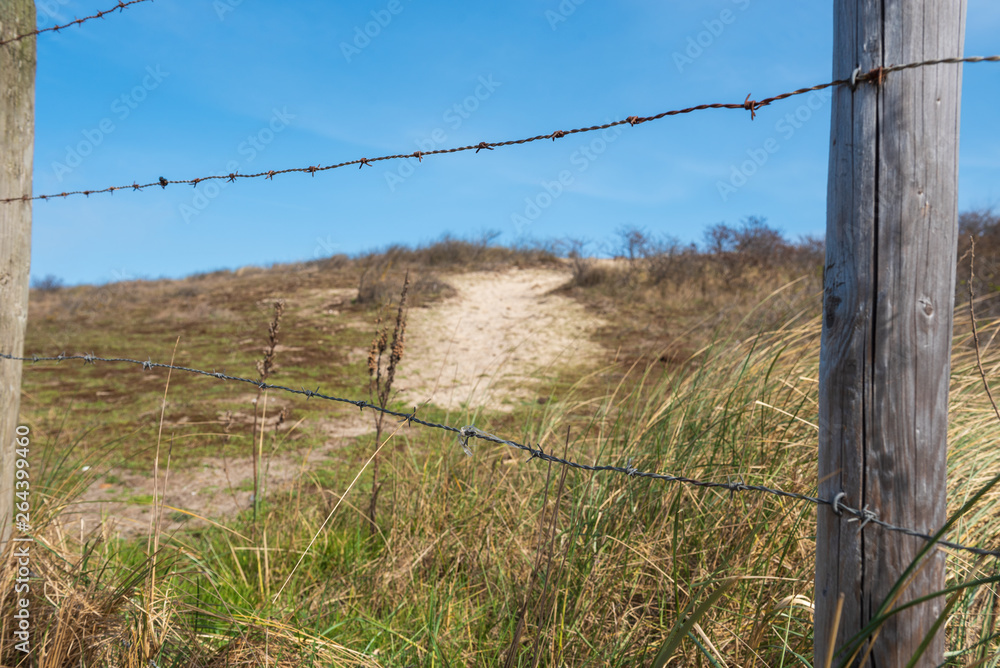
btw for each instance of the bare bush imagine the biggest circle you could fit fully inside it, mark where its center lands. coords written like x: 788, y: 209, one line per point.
x: 981, y: 226
x: 634, y: 246
x: 750, y: 245
x: 586, y: 271
x: 48, y: 283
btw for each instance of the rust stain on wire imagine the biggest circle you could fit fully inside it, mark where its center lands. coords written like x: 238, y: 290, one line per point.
x: 876, y: 75
x: 99, y: 15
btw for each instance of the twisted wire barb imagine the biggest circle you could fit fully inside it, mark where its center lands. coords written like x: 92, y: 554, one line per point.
x: 863, y: 515
x: 877, y: 75
x: 99, y: 15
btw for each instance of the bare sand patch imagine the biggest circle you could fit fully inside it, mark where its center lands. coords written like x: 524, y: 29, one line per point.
x: 212, y: 490
x: 495, y: 340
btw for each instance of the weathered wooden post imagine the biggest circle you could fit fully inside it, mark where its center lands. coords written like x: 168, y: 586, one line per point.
x: 892, y: 222
x: 17, y: 132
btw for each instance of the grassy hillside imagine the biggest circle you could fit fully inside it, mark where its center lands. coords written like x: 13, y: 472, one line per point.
x: 710, y: 373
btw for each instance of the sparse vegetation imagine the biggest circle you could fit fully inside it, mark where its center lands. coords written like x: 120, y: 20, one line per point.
x: 665, y: 300
x: 489, y: 560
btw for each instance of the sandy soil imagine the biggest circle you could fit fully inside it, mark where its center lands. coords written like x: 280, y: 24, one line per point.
x: 493, y: 342
x: 490, y: 345
x: 212, y: 490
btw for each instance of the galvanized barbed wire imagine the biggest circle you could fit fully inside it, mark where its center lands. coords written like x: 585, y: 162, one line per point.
x: 99, y: 15
x: 863, y: 515
x: 878, y: 75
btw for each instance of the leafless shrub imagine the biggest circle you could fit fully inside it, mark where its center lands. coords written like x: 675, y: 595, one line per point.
x: 429, y: 285
x: 634, y: 245
x: 373, y: 286
x: 810, y: 252
x: 334, y: 262
x: 750, y: 245
x: 586, y: 271
x: 451, y: 251
x: 448, y: 253
x: 48, y: 283
x: 378, y: 287
x: 982, y: 226
x: 372, y: 291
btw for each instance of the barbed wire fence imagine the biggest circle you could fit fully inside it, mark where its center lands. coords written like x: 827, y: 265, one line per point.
x: 864, y: 516
x: 464, y: 434
x: 876, y: 75
x: 99, y: 15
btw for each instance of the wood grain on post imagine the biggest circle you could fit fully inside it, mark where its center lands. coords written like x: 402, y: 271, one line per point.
x: 892, y: 223
x: 17, y: 132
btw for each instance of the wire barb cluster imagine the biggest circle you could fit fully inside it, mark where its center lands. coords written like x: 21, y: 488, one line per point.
x: 99, y: 15
x: 876, y: 75
x: 863, y: 515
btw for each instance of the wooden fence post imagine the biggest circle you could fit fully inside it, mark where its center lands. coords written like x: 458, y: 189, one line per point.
x: 892, y: 223
x: 17, y: 132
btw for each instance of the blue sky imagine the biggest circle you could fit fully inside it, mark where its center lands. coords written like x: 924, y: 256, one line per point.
x: 183, y: 90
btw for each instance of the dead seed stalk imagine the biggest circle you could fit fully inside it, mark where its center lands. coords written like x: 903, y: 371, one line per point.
x: 381, y: 376
x: 264, y: 367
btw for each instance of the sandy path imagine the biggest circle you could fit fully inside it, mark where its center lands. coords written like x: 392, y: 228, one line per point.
x: 493, y: 342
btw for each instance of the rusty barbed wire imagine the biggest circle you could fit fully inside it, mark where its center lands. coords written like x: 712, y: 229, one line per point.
x: 878, y: 75
x: 99, y: 15
x: 863, y: 515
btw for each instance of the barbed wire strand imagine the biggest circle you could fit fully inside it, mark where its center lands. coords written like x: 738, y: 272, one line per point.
x: 864, y: 515
x: 877, y: 75
x: 99, y: 15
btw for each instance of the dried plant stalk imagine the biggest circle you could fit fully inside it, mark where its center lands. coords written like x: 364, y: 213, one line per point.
x: 381, y: 376
x: 264, y: 367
